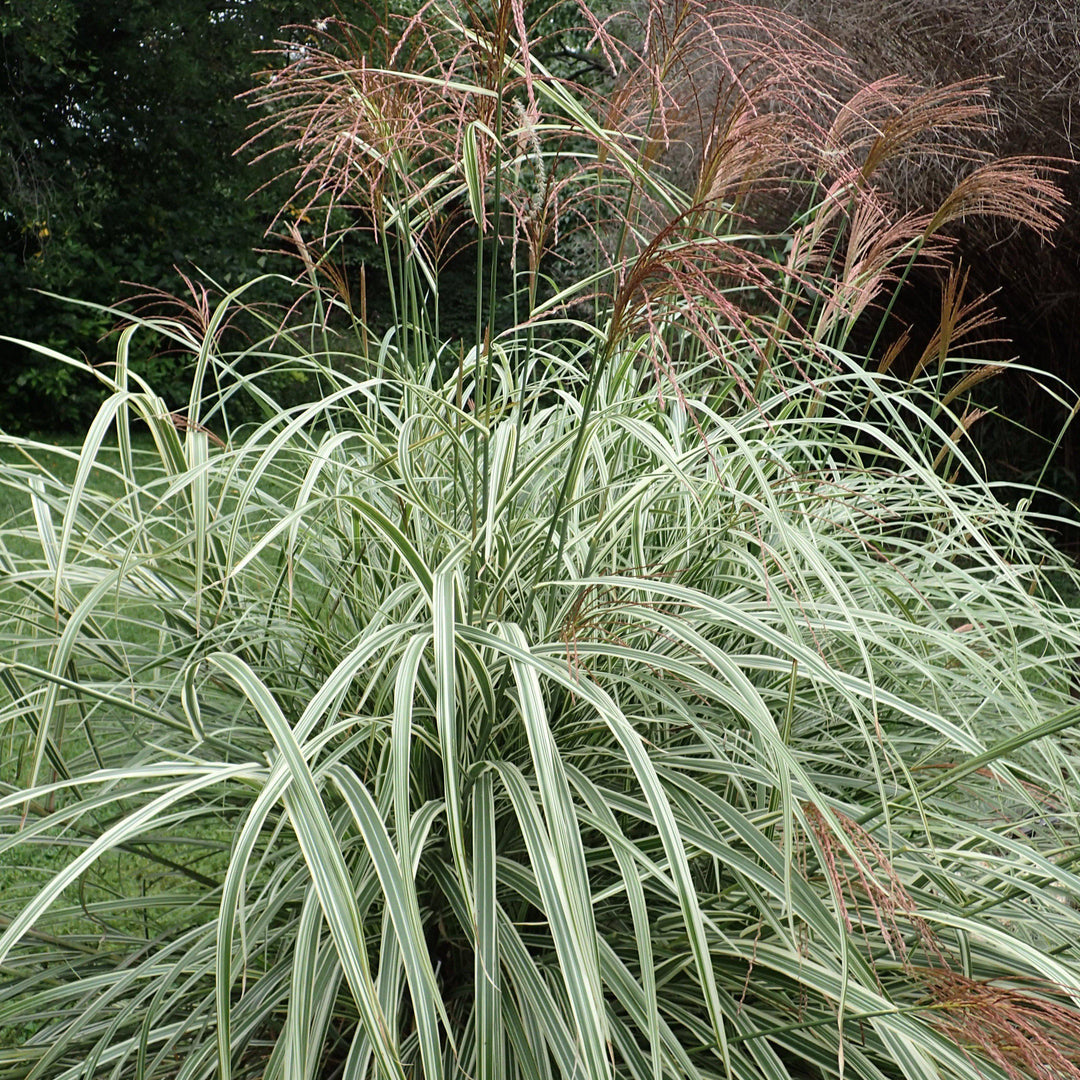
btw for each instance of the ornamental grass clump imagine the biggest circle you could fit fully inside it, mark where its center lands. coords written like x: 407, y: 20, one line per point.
x: 633, y: 689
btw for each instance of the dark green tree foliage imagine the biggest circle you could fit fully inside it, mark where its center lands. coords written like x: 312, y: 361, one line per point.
x: 118, y: 132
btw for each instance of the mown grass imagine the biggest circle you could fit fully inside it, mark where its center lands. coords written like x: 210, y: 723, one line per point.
x: 53, y: 461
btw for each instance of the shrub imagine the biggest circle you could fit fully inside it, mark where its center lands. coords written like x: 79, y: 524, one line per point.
x: 628, y: 690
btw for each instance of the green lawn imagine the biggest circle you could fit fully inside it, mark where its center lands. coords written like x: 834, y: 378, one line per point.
x: 54, y: 459
x: 23, y: 871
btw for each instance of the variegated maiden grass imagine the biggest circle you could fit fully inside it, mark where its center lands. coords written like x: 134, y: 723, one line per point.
x: 632, y: 691
x: 770, y: 768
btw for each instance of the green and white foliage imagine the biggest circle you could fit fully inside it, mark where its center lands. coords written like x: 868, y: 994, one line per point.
x: 507, y: 711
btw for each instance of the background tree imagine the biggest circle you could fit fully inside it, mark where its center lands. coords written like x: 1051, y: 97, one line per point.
x: 118, y: 132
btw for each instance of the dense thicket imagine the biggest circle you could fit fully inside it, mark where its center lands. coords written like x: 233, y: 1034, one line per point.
x: 118, y: 128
